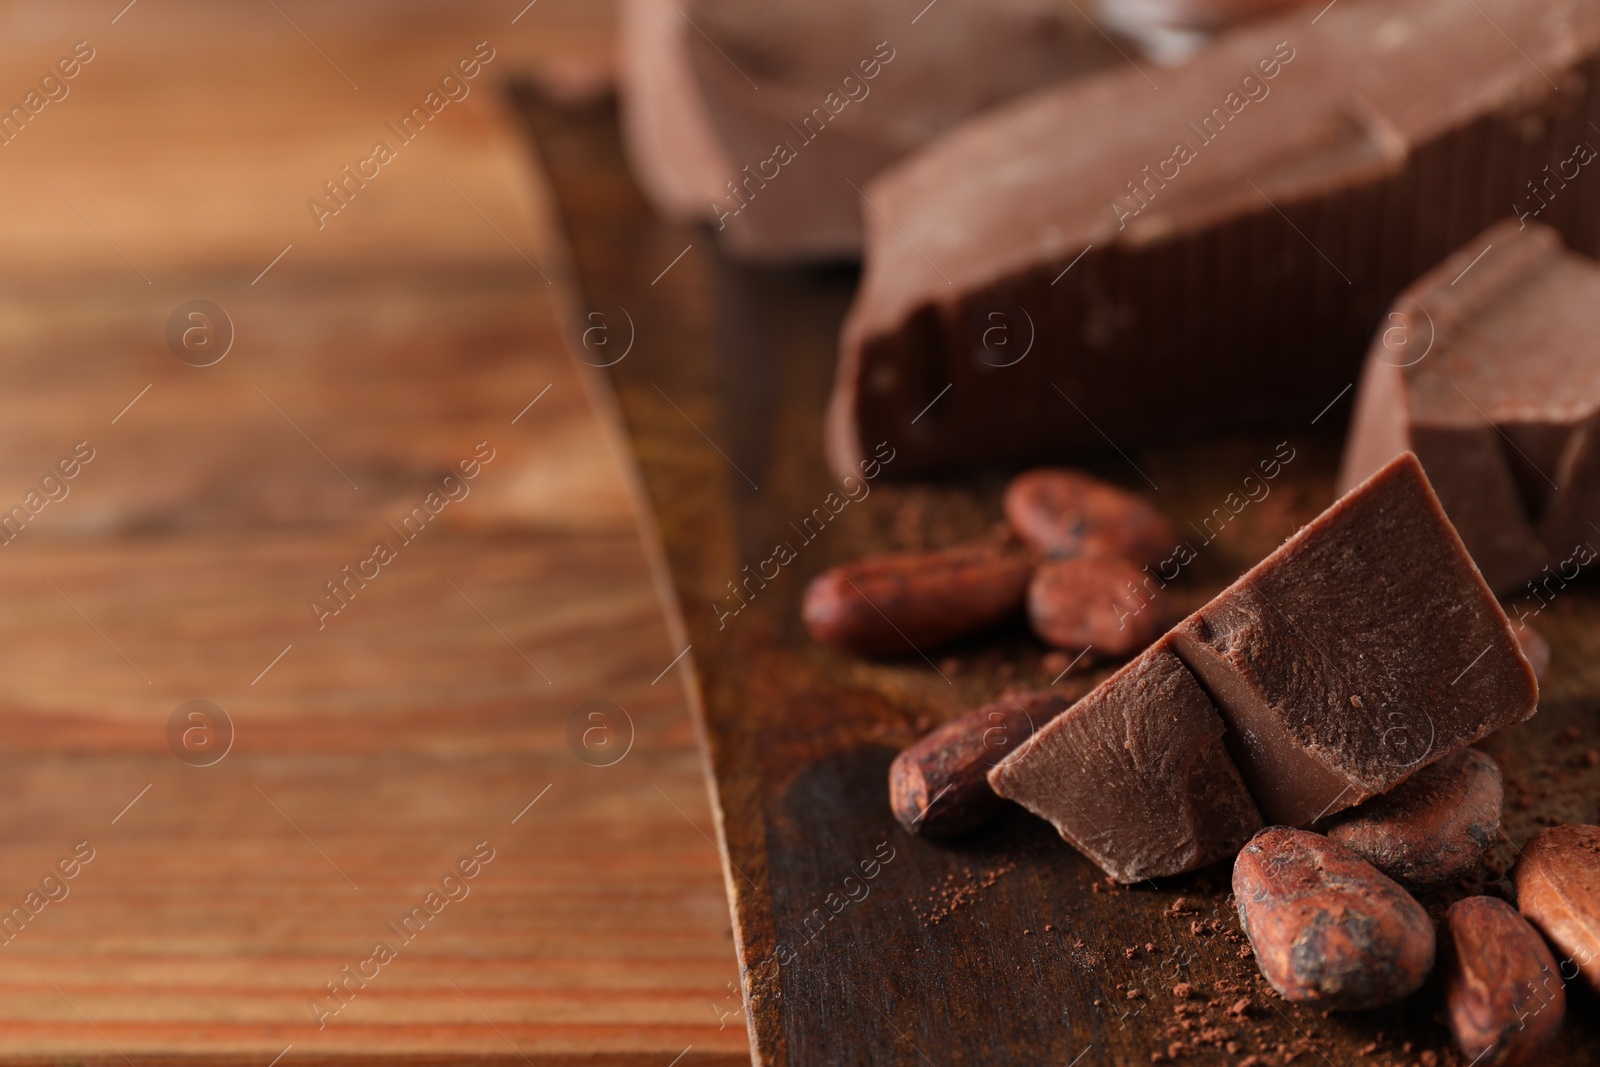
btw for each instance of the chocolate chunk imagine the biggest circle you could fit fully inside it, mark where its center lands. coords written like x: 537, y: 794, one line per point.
x: 1434, y: 826
x: 1068, y: 513
x: 1107, y: 606
x: 903, y: 603
x: 1135, y: 775
x: 758, y: 117
x: 1327, y: 927
x: 1487, y: 372
x: 939, y: 787
x: 1363, y: 649
x: 1503, y: 991
x: 1558, y: 890
x: 1240, y: 230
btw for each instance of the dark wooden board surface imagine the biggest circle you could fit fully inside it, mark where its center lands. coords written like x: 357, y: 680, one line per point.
x: 1008, y: 948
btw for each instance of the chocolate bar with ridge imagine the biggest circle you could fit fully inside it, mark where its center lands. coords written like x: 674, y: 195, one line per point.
x: 1150, y: 254
x: 1486, y: 368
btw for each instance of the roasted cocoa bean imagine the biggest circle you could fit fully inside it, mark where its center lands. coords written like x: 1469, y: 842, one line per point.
x: 1558, y: 890
x: 904, y: 603
x: 1535, y: 648
x: 1434, y: 826
x: 1094, y: 602
x: 1328, y: 927
x: 939, y: 787
x: 1503, y: 994
x: 1067, y: 513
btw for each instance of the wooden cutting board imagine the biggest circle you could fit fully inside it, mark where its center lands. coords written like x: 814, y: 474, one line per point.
x: 859, y: 944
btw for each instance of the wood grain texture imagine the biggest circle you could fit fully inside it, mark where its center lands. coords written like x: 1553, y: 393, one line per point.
x: 371, y: 754
x: 1008, y: 947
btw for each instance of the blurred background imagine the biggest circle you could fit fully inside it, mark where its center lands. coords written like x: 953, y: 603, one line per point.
x: 473, y: 748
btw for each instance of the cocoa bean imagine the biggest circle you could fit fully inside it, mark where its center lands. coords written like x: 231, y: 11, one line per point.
x: 1558, y: 890
x: 1502, y: 991
x: 1327, y: 927
x: 903, y: 603
x: 939, y: 787
x: 1100, y: 603
x: 1535, y: 648
x: 1067, y: 513
x: 1433, y: 827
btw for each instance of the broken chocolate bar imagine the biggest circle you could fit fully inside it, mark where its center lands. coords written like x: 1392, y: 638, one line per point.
x: 1210, y: 255
x: 1486, y: 369
x: 1135, y: 775
x: 759, y: 117
x: 1362, y: 650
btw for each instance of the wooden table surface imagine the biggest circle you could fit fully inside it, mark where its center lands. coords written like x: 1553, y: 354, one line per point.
x: 371, y: 749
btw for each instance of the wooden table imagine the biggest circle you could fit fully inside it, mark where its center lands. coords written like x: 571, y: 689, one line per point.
x: 371, y: 753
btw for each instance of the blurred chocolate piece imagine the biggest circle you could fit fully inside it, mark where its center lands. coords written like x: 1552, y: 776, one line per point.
x: 1433, y: 827
x: 1068, y: 513
x: 1135, y: 775
x: 1172, y: 30
x: 1558, y: 890
x: 939, y: 787
x: 1363, y: 649
x: 905, y: 603
x: 1486, y: 369
x: 759, y: 117
x: 1093, y: 604
x: 1212, y: 255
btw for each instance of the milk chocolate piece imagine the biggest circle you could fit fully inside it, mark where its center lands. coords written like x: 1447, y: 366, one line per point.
x: 1487, y: 370
x: 1362, y: 650
x: 939, y: 786
x: 758, y: 117
x: 1135, y: 775
x: 1433, y: 827
x: 1240, y: 230
x: 1365, y: 648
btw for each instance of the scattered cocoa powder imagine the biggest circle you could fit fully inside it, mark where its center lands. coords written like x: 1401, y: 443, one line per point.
x: 956, y: 891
